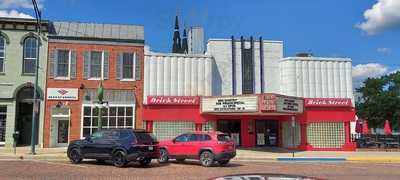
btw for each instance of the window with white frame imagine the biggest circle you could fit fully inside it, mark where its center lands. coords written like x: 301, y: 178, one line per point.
x: 114, y: 116
x: 96, y: 64
x: 128, y: 66
x: 2, y: 52
x: 30, y: 55
x: 63, y: 63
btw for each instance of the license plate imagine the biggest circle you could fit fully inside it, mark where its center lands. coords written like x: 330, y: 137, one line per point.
x: 151, y: 148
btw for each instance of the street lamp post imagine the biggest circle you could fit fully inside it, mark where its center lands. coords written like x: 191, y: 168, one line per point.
x: 100, y: 104
x: 293, y: 123
x: 35, y: 106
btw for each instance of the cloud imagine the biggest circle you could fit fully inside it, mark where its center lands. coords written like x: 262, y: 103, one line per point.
x: 14, y: 14
x: 383, y: 15
x: 384, y: 50
x: 13, y: 4
x: 361, y: 72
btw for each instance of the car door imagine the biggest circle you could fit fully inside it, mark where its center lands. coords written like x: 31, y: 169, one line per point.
x: 90, y: 144
x: 105, y: 144
x: 192, y: 146
x: 178, y: 145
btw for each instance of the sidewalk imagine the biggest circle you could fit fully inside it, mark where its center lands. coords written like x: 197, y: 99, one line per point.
x: 253, y: 154
x: 7, y: 153
x: 287, y: 155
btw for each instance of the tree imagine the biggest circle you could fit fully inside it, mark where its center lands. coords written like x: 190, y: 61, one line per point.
x: 380, y: 100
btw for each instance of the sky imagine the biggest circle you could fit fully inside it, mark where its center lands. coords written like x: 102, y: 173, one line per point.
x: 367, y: 31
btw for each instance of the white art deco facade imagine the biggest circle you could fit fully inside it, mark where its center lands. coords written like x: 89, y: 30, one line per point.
x: 246, y: 88
x: 316, y: 77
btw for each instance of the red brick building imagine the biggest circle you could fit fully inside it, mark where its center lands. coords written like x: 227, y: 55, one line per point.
x: 81, y: 55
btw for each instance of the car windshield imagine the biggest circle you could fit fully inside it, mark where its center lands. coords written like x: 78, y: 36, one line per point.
x: 144, y: 137
x: 224, y: 138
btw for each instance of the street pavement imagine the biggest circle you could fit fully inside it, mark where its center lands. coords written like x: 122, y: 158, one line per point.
x: 188, y: 170
x: 252, y: 154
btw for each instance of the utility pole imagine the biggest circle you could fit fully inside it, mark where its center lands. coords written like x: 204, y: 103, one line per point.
x: 35, y: 106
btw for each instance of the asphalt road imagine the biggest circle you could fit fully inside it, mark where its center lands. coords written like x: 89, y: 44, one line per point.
x: 25, y: 169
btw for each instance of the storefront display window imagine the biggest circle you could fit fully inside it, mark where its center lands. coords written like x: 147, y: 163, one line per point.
x: 168, y: 130
x: 112, y: 117
x: 326, y: 135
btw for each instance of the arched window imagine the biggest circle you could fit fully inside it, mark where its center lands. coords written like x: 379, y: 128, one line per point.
x: 30, y: 55
x: 2, y: 52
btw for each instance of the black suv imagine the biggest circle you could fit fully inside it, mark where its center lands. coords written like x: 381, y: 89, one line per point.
x: 118, y: 145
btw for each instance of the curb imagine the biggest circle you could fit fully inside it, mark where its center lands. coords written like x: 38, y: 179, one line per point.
x: 311, y: 159
x: 375, y: 159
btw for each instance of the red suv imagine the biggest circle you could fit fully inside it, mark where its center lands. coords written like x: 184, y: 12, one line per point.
x: 208, y: 147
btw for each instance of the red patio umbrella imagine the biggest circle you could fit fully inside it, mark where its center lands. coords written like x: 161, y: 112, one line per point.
x: 365, y: 129
x: 386, y: 129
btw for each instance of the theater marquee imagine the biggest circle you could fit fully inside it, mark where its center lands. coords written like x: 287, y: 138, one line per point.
x: 229, y: 104
x: 281, y: 103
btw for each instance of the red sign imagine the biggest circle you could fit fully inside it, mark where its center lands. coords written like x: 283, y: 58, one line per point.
x: 328, y: 102
x: 173, y: 100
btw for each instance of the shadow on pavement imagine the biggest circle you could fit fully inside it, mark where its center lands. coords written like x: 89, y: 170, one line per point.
x: 153, y: 164
x: 197, y: 163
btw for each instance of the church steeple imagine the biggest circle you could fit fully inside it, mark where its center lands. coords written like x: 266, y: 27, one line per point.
x: 176, y: 46
x: 184, y: 42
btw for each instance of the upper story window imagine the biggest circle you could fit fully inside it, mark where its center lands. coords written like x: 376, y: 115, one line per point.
x: 62, y: 64
x: 2, y: 53
x: 128, y: 66
x: 247, y: 72
x: 96, y: 62
x: 30, y: 55
x: 96, y: 65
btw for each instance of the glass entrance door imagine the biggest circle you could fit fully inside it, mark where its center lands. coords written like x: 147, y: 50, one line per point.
x: 60, y: 121
x: 267, y: 132
x: 62, y: 131
x: 231, y: 127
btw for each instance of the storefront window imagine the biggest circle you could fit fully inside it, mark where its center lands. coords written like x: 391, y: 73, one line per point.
x: 112, y: 117
x: 288, y: 141
x: 326, y: 135
x: 3, y: 118
x: 167, y: 130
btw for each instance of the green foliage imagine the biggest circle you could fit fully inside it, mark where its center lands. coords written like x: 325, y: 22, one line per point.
x: 380, y: 100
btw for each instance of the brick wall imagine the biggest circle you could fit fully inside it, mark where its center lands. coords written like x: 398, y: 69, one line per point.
x: 111, y: 83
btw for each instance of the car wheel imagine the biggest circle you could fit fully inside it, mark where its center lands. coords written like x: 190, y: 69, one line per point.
x: 145, y: 162
x: 181, y: 160
x: 75, y: 156
x: 163, y: 156
x: 223, y: 162
x: 206, y: 158
x: 119, y: 159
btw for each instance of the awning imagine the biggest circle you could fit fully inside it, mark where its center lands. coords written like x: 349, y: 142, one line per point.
x: 126, y: 97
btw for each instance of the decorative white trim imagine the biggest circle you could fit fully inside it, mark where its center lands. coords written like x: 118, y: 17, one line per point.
x: 127, y: 80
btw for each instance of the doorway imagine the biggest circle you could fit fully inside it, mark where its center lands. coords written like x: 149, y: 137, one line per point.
x: 231, y: 127
x: 60, y: 120
x: 24, y: 110
x: 267, y: 133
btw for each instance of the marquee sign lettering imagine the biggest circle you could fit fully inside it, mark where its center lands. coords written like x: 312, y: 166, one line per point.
x: 328, y: 102
x: 172, y: 100
x: 229, y: 104
x: 280, y: 103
